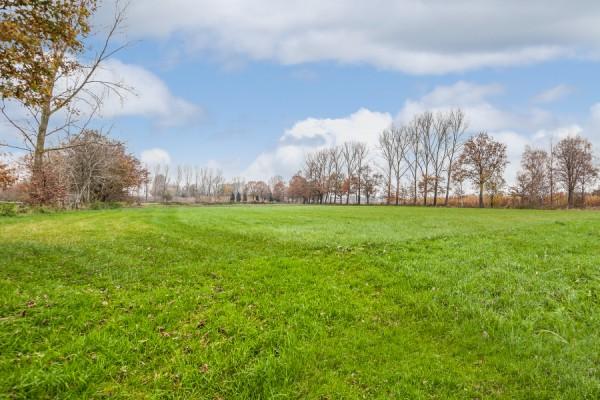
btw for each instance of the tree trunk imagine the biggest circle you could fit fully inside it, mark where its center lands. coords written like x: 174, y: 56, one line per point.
x: 570, y: 198
x: 448, y: 184
x: 481, y: 205
x: 38, y: 157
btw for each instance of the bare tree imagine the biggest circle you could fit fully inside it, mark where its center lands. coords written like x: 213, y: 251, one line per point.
x: 98, y: 168
x: 494, y: 187
x: 439, y: 150
x: 573, y: 162
x: 238, y: 187
x: 412, y: 156
x: 337, y: 175
x: 349, y: 155
x: 166, y: 196
x: 386, y: 147
x: 459, y: 175
x: 277, y: 187
x: 361, y: 152
x: 426, y: 137
x: 188, y: 173
x: 178, y: 180
x: 483, y: 160
x: 315, y: 171
x: 401, y: 142
x: 371, y: 181
x: 456, y: 130
x: 533, y: 179
x: 551, y: 168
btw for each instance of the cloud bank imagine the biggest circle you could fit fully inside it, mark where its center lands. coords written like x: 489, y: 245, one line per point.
x: 413, y: 36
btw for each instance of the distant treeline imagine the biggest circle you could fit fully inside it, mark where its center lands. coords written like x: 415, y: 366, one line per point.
x: 430, y: 161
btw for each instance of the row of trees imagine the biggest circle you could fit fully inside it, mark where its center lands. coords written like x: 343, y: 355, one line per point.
x: 93, y: 167
x: 416, y: 162
x: 568, y: 166
x: 425, y: 151
x: 431, y: 157
x: 331, y: 174
x: 198, y: 184
x: 188, y: 182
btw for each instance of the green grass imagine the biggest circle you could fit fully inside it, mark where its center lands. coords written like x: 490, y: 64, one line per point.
x: 289, y: 302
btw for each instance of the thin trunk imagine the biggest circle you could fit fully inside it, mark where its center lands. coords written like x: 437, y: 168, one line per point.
x: 481, y: 195
x: 38, y: 157
x: 570, y: 198
x: 448, y: 177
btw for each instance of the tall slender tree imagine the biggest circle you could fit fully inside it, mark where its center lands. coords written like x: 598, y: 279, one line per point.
x: 456, y: 131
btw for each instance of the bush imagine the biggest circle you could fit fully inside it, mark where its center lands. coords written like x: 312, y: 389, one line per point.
x: 105, y: 205
x: 8, y: 209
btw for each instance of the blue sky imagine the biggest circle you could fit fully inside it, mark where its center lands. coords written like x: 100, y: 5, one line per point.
x: 249, y: 87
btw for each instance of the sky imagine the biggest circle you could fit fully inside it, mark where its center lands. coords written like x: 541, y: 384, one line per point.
x: 251, y: 86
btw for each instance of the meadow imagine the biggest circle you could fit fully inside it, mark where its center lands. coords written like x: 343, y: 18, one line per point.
x: 294, y: 302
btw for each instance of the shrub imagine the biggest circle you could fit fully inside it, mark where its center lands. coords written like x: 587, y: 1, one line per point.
x: 105, y: 205
x: 8, y: 209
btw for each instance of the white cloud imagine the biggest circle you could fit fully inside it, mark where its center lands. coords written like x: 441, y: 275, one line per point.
x: 363, y: 125
x: 595, y: 116
x: 150, y: 96
x: 414, y: 36
x: 553, y: 94
x: 472, y: 98
x: 155, y: 156
x: 285, y: 160
x: 594, y: 125
x: 314, y: 133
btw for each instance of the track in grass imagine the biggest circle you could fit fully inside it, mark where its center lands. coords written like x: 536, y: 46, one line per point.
x: 300, y: 302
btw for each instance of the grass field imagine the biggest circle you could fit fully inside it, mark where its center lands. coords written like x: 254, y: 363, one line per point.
x: 290, y: 302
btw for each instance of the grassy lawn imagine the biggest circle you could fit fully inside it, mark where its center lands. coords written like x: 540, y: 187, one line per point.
x: 292, y: 302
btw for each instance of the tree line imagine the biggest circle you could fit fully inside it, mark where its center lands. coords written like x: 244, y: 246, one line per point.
x: 431, y: 160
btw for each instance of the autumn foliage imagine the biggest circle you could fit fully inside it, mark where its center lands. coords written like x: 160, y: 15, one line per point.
x: 7, y: 176
x: 29, y: 31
